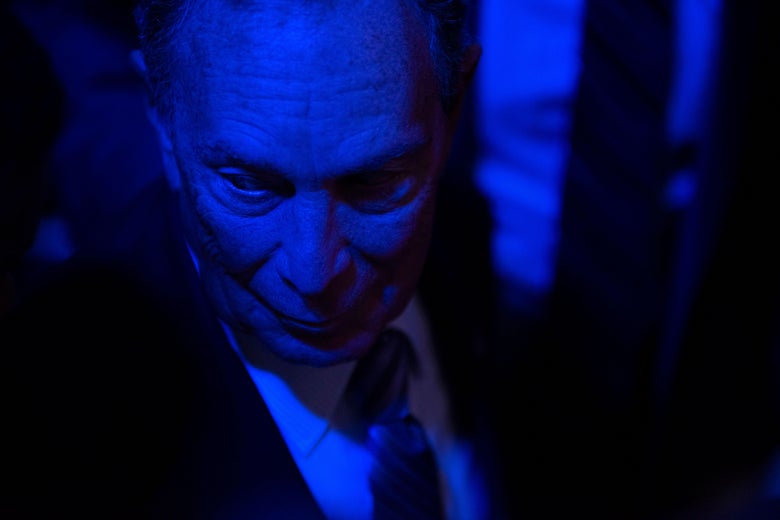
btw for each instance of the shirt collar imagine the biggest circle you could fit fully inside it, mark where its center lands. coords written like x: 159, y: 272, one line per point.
x: 301, y: 398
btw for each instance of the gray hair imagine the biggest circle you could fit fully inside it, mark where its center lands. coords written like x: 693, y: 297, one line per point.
x: 157, y: 22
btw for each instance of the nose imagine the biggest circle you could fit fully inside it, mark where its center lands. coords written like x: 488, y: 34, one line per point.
x: 315, y: 251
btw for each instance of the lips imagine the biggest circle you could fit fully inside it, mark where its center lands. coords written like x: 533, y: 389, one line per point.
x: 316, y: 327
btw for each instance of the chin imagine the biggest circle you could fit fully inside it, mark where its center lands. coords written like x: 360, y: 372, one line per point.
x: 318, y: 349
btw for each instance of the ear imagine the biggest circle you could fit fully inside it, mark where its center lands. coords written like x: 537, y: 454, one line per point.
x: 468, y: 69
x: 170, y: 165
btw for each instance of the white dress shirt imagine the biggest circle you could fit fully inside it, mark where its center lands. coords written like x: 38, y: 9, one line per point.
x: 303, y: 401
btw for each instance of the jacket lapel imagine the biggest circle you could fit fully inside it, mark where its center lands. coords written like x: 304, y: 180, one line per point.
x: 234, y: 463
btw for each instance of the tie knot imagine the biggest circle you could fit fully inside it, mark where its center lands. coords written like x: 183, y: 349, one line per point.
x: 377, y: 388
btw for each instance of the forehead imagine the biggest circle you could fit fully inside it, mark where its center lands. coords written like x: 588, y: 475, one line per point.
x: 331, y: 74
x: 297, y: 41
x: 368, y: 31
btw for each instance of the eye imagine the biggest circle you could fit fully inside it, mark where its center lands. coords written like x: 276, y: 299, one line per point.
x: 250, y: 192
x: 379, y: 191
x: 374, y: 179
x: 255, y: 183
x: 245, y: 181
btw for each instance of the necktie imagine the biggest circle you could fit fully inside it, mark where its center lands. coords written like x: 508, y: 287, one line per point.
x: 404, y: 477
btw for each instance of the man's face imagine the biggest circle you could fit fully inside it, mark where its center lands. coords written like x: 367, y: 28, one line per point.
x: 308, y: 143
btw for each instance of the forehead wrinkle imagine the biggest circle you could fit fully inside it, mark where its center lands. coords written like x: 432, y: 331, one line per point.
x: 309, y: 119
x: 239, y: 144
x: 280, y: 83
x: 265, y: 27
x: 285, y: 78
x: 366, y: 57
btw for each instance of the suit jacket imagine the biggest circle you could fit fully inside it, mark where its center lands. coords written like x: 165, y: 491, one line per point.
x: 125, y: 399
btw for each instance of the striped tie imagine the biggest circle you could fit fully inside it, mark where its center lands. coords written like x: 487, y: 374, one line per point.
x: 404, y: 478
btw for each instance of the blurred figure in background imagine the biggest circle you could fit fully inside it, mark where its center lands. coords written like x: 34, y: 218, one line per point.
x: 61, y: 401
x: 105, y: 152
x: 619, y: 146
x: 31, y: 114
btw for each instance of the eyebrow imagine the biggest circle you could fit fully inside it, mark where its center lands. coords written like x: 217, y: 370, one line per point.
x: 400, y: 153
x: 223, y: 152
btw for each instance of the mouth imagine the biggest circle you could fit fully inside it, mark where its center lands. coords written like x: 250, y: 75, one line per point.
x: 311, y: 327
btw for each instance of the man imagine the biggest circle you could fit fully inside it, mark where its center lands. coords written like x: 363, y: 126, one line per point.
x: 303, y: 141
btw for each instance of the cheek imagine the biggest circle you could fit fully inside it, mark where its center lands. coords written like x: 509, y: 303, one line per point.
x: 403, y: 232
x: 235, y: 242
x: 395, y: 245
